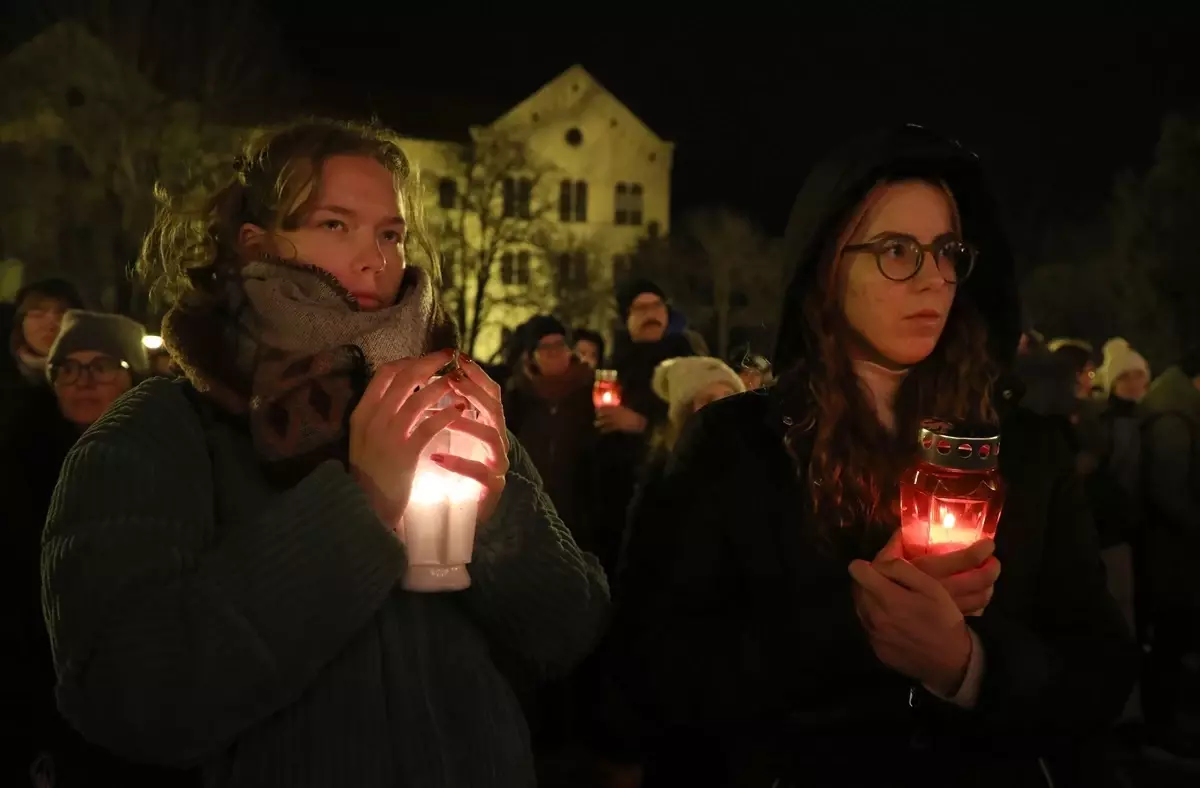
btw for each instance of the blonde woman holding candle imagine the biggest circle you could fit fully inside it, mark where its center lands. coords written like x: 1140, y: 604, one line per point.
x: 768, y: 630
x: 222, y: 569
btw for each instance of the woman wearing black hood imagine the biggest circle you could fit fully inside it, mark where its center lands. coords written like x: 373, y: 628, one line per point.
x: 767, y: 628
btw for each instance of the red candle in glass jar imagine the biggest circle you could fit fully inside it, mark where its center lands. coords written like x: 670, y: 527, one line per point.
x: 952, y: 497
x: 606, y: 391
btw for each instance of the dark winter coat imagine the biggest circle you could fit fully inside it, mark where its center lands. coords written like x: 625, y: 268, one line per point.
x: 555, y: 421
x: 1171, y: 437
x: 202, y: 615
x: 1110, y: 442
x: 619, y: 456
x: 736, y: 646
x: 34, y: 449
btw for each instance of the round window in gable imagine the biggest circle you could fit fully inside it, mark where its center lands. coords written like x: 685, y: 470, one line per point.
x: 574, y: 137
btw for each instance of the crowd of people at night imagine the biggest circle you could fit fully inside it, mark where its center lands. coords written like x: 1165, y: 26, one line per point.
x: 704, y: 579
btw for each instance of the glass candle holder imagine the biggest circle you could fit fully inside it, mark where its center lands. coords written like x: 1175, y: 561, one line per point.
x: 438, y: 527
x: 606, y: 391
x: 952, y: 497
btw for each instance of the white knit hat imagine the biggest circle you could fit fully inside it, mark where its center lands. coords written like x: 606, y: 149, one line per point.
x: 678, y: 380
x: 1119, y: 358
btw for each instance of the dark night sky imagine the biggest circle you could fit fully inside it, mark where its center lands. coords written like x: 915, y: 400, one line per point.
x: 1055, y: 115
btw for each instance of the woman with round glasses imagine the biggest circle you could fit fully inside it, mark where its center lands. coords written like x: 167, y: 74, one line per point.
x: 769, y: 631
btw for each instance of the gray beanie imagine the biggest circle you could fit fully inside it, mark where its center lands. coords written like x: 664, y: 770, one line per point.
x: 99, y: 332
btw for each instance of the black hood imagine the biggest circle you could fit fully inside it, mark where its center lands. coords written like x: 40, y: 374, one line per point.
x: 838, y: 184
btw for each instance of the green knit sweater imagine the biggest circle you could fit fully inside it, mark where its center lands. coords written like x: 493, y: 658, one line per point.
x: 199, y: 616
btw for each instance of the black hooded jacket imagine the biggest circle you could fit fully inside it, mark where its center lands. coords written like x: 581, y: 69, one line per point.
x: 736, y: 645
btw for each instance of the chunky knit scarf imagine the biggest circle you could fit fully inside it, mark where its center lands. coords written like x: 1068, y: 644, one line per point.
x: 288, y: 348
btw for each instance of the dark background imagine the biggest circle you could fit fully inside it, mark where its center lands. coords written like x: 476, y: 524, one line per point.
x: 1056, y: 114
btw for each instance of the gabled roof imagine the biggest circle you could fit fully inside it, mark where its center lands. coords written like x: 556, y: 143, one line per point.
x: 576, y: 75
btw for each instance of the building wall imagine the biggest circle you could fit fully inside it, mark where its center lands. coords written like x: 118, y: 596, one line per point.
x: 587, y: 135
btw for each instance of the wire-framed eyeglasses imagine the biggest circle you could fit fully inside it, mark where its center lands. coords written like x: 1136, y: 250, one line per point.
x: 900, y: 257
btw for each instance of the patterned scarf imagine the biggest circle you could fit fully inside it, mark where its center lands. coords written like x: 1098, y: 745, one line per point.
x: 289, y: 349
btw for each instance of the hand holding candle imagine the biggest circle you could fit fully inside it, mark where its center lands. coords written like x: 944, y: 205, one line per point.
x: 968, y: 575
x: 489, y: 470
x: 911, y: 620
x: 392, y: 426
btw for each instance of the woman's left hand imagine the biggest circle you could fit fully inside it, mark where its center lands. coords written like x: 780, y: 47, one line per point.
x: 912, y: 622
x: 473, y: 384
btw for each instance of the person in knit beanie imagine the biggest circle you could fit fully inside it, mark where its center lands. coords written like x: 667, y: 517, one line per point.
x: 688, y: 384
x: 96, y: 358
x: 1124, y: 372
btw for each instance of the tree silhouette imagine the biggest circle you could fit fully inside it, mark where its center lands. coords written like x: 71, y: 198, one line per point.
x: 501, y: 239
x: 114, y: 97
x: 722, y: 271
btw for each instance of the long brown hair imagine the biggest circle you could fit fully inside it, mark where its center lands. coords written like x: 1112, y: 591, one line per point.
x: 272, y: 184
x: 854, y: 462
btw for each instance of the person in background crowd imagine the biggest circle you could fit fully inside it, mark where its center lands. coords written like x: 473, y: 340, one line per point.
x: 550, y: 411
x: 223, y: 557
x: 1080, y: 357
x: 753, y: 368
x: 1109, y: 436
x: 37, y: 315
x: 687, y: 385
x: 589, y: 347
x: 40, y: 307
x: 1124, y: 374
x: 625, y: 430
x: 767, y: 627
x: 677, y: 323
x: 95, y: 359
x: 1168, y: 583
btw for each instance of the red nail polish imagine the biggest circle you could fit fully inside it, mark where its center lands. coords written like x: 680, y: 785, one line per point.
x: 461, y: 406
x: 438, y: 458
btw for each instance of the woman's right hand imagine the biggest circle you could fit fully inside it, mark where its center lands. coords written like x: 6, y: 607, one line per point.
x: 387, y: 433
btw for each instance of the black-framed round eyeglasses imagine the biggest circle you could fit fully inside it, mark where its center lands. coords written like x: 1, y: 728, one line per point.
x: 101, y: 369
x: 900, y: 257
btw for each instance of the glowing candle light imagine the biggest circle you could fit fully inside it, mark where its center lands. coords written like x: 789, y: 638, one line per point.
x: 606, y: 391
x: 438, y: 527
x: 953, y: 497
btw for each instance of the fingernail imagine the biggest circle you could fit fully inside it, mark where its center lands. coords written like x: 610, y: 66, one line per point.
x: 450, y: 352
x: 438, y: 458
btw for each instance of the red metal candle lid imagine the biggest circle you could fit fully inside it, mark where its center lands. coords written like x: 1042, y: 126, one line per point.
x: 963, y: 447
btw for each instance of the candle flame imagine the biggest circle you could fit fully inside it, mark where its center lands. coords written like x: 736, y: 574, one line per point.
x: 948, y: 518
x: 434, y: 487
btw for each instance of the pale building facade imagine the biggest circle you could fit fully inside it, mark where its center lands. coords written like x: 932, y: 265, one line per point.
x: 602, y: 181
